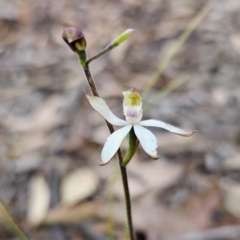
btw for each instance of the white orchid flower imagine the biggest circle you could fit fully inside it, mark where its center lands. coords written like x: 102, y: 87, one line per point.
x: 132, y: 109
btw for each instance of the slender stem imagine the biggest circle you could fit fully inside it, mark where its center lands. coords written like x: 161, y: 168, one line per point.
x: 120, y: 158
x: 118, y: 40
x: 127, y: 194
x: 90, y: 81
x: 104, y: 51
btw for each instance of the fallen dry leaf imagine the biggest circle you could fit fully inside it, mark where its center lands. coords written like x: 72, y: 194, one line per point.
x: 67, y: 214
x: 235, y: 41
x: 232, y: 163
x: 153, y: 176
x: 78, y: 185
x: 201, y: 206
x: 39, y: 199
x: 45, y: 118
x: 174, y: 144
x: 231, y: 195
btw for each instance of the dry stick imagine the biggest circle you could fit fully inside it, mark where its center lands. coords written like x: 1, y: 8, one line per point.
x: 120, y: 158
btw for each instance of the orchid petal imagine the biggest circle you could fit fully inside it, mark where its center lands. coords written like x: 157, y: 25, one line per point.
x: 113, y: 143
x: 147, y: 140
x: 100, y: 106
x: 170, y: 128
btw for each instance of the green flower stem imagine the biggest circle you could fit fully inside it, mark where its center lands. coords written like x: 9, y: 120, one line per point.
x: 133, y: 145
x: 123, y: 169
x: 104, y: 51
x: 117, y: 41
x: 82, y: 57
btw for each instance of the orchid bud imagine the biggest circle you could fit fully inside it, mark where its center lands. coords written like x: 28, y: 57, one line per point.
x: 122, y: 37
x: 74, y: 38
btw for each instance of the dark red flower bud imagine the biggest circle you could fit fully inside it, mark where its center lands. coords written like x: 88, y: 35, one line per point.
x: 74, y: 38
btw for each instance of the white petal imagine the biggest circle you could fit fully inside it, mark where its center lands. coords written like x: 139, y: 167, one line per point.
x: 100, y: 106
x: 113, y: 143
x: 147, y: 140
x: 170, y: 128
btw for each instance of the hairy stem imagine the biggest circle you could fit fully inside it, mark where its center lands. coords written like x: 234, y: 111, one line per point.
x: 120, y: 158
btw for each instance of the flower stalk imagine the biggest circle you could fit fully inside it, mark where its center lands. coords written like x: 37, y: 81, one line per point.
x: 123, y: 169
x: 82, y: 56
x: 75, y: 39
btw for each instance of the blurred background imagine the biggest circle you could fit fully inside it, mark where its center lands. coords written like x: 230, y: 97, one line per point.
x: 51, y: 183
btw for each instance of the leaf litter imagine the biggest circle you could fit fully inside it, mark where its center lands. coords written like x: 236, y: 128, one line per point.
x: 55, y: 122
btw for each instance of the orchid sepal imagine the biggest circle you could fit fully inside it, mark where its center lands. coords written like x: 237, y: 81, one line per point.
x: 113, y: 143
x: 101, y: 107
x: 166, y: 126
